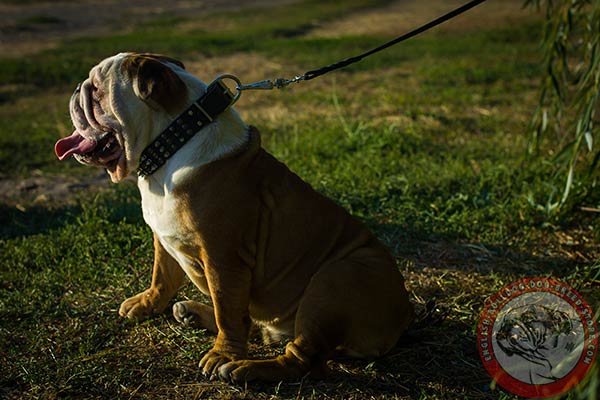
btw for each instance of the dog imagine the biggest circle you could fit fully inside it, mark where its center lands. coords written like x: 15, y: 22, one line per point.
x: 263, y: 244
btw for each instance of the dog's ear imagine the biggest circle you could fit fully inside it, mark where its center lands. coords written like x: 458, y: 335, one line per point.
x: 155, y: 82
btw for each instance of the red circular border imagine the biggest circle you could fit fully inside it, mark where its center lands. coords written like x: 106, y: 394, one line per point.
x: 491, y: 364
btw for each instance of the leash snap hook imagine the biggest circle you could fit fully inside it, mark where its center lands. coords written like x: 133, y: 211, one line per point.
x: 268, y: 84
x: 260, y: 85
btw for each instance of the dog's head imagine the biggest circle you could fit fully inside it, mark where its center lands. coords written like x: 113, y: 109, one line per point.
x: 126, y: 101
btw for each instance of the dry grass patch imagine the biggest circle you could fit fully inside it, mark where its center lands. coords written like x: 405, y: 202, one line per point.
x: 402, y: 15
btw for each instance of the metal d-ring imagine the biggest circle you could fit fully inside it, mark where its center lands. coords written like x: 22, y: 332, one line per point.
x: 237, y: 87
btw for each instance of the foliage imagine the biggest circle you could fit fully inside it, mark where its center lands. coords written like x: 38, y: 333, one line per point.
x: 570, y: 93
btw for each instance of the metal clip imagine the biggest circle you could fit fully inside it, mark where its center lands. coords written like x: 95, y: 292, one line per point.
x: 260, y: 85
x: 268, y: 84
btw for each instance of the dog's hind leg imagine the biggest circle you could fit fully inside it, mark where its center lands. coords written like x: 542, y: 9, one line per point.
x: 314, y: 340
x: 194, y: 314
x: 359, y: 305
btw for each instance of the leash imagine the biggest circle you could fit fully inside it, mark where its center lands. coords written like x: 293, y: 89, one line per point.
x: 279, y: 83
x: 218, y: 97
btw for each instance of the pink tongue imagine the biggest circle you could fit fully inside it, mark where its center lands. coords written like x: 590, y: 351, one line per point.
x: 74, y: 144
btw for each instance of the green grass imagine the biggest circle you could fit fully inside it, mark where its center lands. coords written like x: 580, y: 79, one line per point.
x: 263, y: 30
x: 425, y: 143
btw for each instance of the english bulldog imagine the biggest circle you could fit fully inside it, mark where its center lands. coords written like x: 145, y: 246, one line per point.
x: 263, y: 244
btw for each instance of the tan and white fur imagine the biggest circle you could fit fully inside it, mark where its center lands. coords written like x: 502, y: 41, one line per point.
x: 244, y: 229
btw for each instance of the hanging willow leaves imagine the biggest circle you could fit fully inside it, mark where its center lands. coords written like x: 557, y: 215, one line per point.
x: 569, y: 97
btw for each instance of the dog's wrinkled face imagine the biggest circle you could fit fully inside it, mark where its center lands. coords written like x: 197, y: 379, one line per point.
x: 120, y: 108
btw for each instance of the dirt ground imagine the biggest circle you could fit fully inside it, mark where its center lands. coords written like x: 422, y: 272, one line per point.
x: 30, y: 26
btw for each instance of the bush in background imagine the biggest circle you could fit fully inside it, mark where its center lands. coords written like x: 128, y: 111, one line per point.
x: 566, y: 118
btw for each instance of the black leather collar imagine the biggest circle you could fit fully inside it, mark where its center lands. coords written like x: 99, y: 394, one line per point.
x: 202, y: 112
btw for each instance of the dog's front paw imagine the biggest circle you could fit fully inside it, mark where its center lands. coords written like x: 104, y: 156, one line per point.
x: 238, y: 371
x: 185, y: 314
x: 142, y: 305
x: 274, y: 370
x: 194, y: 314
x: 213, y: 360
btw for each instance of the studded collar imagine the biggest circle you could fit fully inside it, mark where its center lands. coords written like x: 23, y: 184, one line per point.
x: 202, y: 112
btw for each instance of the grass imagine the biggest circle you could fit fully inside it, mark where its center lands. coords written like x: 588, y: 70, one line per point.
x: 425, y: 143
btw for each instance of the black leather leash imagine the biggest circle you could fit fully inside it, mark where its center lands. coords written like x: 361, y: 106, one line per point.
x: 341, y: 64
x: 282, y: 82
x: 218, y: 98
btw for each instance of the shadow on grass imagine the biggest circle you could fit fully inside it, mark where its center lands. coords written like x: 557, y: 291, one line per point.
x: 114, y: 205
x: 442, y: 363
x: 15, y: 223
x: 435, y: 361
x: 544, y: 253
